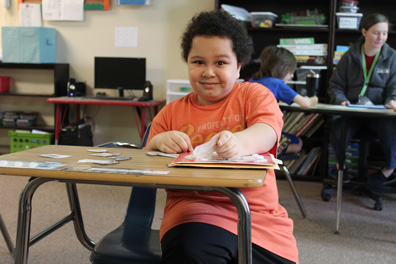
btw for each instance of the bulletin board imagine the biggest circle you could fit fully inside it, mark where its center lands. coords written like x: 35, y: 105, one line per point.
x: 89, y: 4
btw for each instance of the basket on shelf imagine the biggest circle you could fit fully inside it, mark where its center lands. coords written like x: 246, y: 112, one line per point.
x: 23, y: 141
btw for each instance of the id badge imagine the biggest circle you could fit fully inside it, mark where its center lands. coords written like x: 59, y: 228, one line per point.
x: 363, y: 100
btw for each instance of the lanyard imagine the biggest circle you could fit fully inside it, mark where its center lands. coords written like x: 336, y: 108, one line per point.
x: 368, y: 76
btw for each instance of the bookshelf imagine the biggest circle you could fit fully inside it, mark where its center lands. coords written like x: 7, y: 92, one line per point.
x: 305, y: 126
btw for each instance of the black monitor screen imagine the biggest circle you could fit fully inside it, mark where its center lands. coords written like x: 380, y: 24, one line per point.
x: 120, y: 73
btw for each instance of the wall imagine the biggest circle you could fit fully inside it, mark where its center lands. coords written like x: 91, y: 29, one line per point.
x: 160, y: 26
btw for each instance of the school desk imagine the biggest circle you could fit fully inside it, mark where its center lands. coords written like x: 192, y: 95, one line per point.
x: 344, y: 112
x: 148, y: 171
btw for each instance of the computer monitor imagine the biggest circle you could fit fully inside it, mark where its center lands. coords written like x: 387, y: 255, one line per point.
x: 120, y: 73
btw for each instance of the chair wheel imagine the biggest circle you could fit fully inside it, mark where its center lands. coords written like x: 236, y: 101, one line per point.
x: 378, y: 206
x: 325, y: 196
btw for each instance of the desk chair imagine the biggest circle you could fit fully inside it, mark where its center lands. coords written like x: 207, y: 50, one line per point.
x: 284, y: 142
x: 6, y: 235
x: 133, y: 241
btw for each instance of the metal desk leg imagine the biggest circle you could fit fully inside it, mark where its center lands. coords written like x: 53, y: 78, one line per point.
x: 6, y: 235
x: 341, y: 164
x: 244, y: 224
x: 23, y: 240
x: 77, y: 216
x: 24, y: 220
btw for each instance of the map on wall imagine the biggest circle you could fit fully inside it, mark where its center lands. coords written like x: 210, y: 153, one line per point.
x: 88, y: 5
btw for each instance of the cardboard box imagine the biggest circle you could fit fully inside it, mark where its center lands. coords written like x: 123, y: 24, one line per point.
x: 29, y: 44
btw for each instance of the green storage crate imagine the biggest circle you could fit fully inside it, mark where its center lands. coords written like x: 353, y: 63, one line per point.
x: 23, y: 141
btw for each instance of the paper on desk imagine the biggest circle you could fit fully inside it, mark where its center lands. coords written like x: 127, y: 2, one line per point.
x: 204, y: 151
x: 159, y: 153
x: 98, y: 161
x: 55, y: 156
x: 31, y: 164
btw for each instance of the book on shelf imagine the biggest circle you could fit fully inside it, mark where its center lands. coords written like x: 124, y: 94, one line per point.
x: 314, y: 127
x: 298, y: 124
x: 296, y: 41
x: 310, y: 159
x: 293, y: 169
x: 292, y: 120
x: 308, y: 124
x: 307, y: 49
x: 309, y: 59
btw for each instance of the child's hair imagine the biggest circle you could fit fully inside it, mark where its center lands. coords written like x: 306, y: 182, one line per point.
x: 218, y: 23
x: 276, y: 62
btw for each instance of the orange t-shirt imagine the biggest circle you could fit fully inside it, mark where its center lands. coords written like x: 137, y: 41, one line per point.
x: 247, y: 104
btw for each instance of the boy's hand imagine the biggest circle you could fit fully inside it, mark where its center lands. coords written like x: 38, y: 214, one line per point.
x: 170, y: 142
x: 228, y: 145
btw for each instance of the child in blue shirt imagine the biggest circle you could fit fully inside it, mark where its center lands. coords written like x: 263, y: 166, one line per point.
x: 277, y: 67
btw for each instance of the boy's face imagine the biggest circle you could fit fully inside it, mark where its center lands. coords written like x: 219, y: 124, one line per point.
x: 212, y: 68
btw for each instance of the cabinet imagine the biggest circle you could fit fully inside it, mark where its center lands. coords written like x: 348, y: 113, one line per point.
x: 31, y: 85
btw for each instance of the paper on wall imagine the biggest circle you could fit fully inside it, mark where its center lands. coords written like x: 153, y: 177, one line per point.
x: 70, y: 10
x: 30, y: 15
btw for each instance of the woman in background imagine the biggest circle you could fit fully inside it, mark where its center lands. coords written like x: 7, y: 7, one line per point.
x: 366, y: 74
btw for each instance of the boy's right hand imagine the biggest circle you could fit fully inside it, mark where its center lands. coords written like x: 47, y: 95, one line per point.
x: 171, y: 142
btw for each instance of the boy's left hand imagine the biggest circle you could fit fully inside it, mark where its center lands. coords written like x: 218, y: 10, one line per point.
x: 228, y: 146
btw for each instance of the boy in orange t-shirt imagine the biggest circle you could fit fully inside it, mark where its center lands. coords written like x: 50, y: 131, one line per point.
x: 199, y: 226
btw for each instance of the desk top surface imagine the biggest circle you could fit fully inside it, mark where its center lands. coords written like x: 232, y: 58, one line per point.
x: 99, y: 101
x: 340, y: 110
x: 241, y: 178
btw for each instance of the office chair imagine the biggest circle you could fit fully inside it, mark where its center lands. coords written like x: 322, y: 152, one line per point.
x: 284, y: 142
x: 6, y: 235
x: 133, y: 241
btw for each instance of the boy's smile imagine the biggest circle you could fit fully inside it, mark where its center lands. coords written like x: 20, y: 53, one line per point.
x: 212, y: 67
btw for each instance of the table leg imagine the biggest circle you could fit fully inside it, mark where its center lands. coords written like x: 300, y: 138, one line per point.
x: 77, y: 216
x: 244, y: 224
x: 24, y: 220
x: 341, y: 164
x: 6, y: 235
x: 143, y: 114
x: 58, y: 118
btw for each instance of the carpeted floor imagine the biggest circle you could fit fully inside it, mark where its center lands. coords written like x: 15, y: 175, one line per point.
x: 367, y: 236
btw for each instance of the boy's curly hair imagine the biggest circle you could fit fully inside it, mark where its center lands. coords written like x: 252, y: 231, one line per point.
x: 218, y: 23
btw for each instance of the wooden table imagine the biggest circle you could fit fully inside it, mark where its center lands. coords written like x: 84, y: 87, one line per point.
x: 226, y: 181
x: 142, y: 108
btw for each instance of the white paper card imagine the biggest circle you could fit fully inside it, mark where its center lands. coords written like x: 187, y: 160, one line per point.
x: 126, y: 37
x: 30, y: 15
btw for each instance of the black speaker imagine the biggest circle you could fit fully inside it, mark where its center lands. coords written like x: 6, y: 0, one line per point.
x: 147, y: 92
x: 75, y: 89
